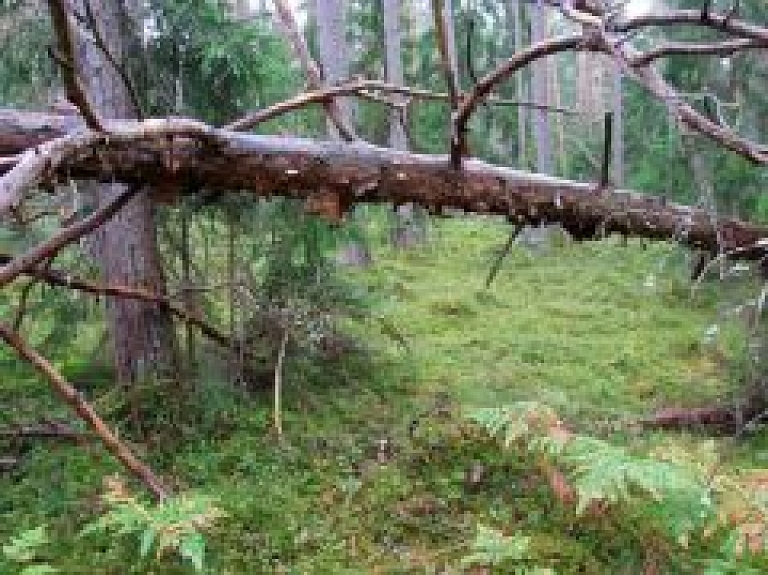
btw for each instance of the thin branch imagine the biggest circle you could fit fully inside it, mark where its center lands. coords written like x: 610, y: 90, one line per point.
x: 311, y: 69
x: 365, y: 89
x: 77, y: 402
x: 485, y: 86
x: 63, y: 279
x: 725, y: 48
x: 721, y: 22
x: 65, y: 54
x: 49, y: 248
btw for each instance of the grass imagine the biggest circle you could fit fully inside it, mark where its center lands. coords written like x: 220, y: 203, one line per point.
x: 597, y: 331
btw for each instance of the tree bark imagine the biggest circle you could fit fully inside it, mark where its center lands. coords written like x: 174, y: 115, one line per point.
x: 542, y: 132
x: 142, y: 335
x: 360, y: 173
x: 333, y: 54
x: 409, y: 221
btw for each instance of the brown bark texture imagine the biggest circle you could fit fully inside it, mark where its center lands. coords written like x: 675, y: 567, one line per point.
x: 359, y: 173
x: 125, y: 248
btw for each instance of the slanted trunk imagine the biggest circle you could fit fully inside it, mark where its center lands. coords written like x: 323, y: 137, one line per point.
x: 125, y: 248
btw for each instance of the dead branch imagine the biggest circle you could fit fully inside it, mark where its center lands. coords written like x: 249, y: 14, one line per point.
x: 359, y: 173
x: 77, y: 401
x: 725, y: 48
x: 63, y: 279
x: 64, y: 53
x: 366, y: 89
x: 50, y: 247
x: 485, y: 86
x: 311, y: 69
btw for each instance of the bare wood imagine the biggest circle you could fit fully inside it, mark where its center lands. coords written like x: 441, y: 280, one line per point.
x: 77, y: 402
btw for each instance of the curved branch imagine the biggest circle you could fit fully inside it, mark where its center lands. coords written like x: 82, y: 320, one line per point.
x: 363, y: 89
x: 483, y: 88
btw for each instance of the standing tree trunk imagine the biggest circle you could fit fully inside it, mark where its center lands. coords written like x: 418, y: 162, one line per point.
x: 618, y: 128
x: 409, y: 220
x: 515, y: 30
x: 334, y: 60
x: 141, y: 333
x: 541, y: 129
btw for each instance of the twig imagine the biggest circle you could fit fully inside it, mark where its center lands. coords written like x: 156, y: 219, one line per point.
x: 367, y: 89
x: 278, y: 386
x: 493, y: 272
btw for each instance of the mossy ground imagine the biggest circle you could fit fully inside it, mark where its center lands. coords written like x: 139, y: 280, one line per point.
x: 599, y: 331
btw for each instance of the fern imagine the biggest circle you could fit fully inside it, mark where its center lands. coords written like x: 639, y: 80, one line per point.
x: 494, y: 549
x: 176, y: 525
x: 674, y: 493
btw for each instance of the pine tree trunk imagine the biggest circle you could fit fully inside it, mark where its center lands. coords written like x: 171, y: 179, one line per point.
x: 541, y: 126
x: 409, y: 221
x: 125, y: 249
x: 515, y: 29
x: 618, y: 128
x: 334, y: 59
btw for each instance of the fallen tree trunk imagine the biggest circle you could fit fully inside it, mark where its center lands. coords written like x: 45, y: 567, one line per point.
x: 181, y: 156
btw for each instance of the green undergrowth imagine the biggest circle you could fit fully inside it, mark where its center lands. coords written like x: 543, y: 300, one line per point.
x: 377, y: 472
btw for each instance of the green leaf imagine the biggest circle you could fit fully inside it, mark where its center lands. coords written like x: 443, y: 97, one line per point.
x: 147, y: 539
x: 192, y: 548
x: 38, y: 570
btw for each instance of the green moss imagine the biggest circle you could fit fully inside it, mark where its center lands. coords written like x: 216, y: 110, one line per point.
x: 596, y: 330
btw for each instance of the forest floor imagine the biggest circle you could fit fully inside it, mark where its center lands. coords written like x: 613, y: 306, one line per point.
x: 600, y: 332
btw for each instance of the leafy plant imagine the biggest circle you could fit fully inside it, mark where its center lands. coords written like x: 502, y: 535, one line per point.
x: 173, y: 526
x: 492, y: 548
x: 671, y: 494
x: 25, y: 549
